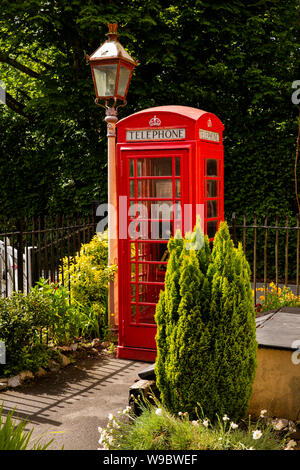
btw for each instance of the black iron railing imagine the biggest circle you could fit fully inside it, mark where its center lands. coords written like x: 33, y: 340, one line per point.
x: 35, y: 248
x: 271, y: 245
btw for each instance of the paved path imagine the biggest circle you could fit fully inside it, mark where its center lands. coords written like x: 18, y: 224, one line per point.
x: 70, y: 405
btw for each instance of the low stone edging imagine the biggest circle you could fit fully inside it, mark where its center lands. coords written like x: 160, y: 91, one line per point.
x: 95, y: 348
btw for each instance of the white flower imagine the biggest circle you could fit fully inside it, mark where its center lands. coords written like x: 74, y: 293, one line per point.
x: 115, y: 425
x: 180, y: 413
x: 225, y: 418
x: 205, y: 423
x: 220, y: 438
x: 233, y: 425
x: 110, y: 416
x: 262, y: 413
x: 103, y: 436
x: 256, y: 434
x: 292, y: 427
x: 195, y: 423
x: 290, y: 445
x: 279, y: 425
x: 158, y: 411
x: 250, y: 448
x: 126, y: 410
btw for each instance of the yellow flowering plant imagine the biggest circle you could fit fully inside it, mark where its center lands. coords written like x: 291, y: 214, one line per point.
x: 273, y: 297
x: 88, y: 276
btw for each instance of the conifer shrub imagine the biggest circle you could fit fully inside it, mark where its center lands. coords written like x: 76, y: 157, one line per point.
x: 206, y: 339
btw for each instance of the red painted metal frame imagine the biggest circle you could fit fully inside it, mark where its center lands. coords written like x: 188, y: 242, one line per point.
x: 137, y: 342
x: 134, y: 338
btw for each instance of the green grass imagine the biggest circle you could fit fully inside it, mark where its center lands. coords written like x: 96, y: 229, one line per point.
x: 13, y: 436
x: 151, y: 431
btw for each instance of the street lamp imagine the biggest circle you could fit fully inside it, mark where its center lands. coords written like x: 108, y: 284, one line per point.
x: 112, y: 69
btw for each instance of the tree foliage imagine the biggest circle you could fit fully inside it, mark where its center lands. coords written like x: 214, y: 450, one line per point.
x: 232, y: 58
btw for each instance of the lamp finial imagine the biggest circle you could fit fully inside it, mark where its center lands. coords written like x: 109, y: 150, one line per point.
x: 112, y: 31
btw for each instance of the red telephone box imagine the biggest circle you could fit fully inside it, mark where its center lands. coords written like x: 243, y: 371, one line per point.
x: 169, y: 167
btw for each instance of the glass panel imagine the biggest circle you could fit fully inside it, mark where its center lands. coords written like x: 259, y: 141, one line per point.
x: 133, y: 270
x: 211, y: 228
x: 152, y: 272
x: 177, y: 166
x: 177, y: 188
x: 133, y: 292
x: 155, y: 188
x: 155, y: 210
x: 105, y: 77
x: 149, y: 293
x: 161, y: 230
x: 154, y: 167
x: 162, y: 210
x: 150, y: 230
x: 146, y: 314
x: 132, y: 192
x: 133, y: 313
x: 212, y: 168
x: 132, y: 210
x: 139, y: 229
x: 212, y: 188
x: 132, y: 251
x: 123, y: 80
x: 178, y: 226
x: 139, y: 210
x: 131, y: 168
x: 153, y: 251
x: 211, y: 209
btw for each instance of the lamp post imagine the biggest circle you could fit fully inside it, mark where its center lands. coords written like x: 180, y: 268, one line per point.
x: 112, y: 69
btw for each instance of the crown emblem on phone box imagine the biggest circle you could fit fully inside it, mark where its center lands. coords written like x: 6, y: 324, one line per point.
x: 155, y: 121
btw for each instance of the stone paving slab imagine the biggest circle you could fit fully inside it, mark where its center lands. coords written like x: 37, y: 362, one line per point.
x: 280, y: 330
x: 70, y: 405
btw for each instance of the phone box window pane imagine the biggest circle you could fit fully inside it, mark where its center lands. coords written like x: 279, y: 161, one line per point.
x: 153, y: 251
x: 133, y: 313
x: 131, y: 188
x: 211, y: 228
x: 149, y: 293
x: 212, y: 167
x: 161, y: 230
x: 146, y: 314
x: 132, y: 251
x: 154, y: 167
x: 152, y: 272
x: 212, y: 209
x: 131, y: 168
x: 177, y: 188
x: 139, y: 229
x: 212, y: 188
x: 133, y: 292
x: 177, y: 166
x: 155, y: 188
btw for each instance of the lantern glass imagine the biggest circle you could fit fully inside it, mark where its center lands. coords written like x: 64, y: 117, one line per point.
x: 105, y: 78
x: 123, y: 80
